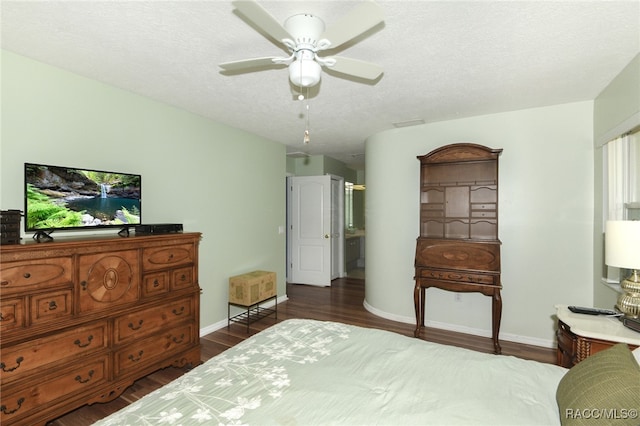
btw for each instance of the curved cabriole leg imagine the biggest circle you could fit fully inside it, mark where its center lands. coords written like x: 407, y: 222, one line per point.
x: 418, y: 302
x: 497, y: 316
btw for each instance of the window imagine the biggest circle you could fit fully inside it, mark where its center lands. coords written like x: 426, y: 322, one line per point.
x: 621, y: 186
x: 622, y: 180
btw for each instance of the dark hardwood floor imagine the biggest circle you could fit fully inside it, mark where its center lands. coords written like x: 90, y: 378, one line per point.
x: 342, y: 302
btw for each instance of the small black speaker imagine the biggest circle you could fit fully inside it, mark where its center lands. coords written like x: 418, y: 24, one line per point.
x: 159, y: 228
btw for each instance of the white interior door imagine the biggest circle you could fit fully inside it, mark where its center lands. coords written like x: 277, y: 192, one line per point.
x: 310, y: 230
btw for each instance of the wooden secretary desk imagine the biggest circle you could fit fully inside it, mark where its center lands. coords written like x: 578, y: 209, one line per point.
x: 458, y: 248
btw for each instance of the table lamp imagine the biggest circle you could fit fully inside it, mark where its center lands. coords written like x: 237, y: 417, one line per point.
x: 622, y: 250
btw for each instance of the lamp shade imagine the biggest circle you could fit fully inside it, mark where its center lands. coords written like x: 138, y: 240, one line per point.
x: 622, y: 244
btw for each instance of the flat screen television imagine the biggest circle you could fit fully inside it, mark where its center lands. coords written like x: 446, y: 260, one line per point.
x: 65, y: 198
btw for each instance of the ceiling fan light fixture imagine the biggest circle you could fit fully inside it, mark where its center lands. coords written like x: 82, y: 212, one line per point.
x: 304, y: 72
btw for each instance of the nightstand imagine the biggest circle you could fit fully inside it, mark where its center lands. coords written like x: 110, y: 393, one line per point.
x: 580, y: 335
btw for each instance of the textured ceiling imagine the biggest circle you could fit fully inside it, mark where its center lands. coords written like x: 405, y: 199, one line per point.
x: 442, y: 60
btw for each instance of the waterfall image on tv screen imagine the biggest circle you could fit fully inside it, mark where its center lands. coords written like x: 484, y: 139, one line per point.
x: 65, y: 198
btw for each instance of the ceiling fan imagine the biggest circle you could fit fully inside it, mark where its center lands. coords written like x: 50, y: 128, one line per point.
x: 304, y: 35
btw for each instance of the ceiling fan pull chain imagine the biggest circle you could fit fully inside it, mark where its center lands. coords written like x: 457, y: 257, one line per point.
x: 306, y: 139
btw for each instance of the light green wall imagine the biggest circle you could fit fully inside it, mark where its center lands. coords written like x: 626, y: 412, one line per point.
x: 545, y: 219
x: 223, y: 182
x: 616, y: 111
x: 318, y: 165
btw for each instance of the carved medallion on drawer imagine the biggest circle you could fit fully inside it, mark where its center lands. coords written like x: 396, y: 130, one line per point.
x: 19, y: 401
x: 34, y: 274
x: 51, y: 306
x: 166, y: 257
x: 61, y: 349
x: 11, y: 314
x: 107, y: 279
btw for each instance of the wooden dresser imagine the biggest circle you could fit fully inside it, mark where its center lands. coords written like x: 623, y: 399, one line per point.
x: 458, y: 248
x: 82, y: 319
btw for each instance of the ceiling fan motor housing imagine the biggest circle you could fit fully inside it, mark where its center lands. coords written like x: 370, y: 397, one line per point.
x: 305, y: 29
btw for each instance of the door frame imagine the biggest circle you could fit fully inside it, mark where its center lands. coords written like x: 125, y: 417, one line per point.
x: 337, y: 227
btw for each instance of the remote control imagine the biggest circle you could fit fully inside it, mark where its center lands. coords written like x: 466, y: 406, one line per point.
x: 592, y: 311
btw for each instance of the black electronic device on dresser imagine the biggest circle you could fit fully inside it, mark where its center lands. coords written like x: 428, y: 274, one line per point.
x: 158, y: 228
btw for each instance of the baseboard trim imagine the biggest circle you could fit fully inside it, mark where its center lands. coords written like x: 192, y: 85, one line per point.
x: 526, y: 340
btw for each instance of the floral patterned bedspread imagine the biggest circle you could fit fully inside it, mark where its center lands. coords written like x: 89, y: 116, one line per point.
x: 305, y: 372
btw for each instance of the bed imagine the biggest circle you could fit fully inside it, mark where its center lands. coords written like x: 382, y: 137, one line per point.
x: 307, y: 372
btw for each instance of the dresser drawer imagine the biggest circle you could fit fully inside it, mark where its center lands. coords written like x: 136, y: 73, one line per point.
x: 21, y: 401
x: 11, y: 314
x: 34, y: 274
x: 459, y: 276
x: 155, y: 283
x: 142, y: 323
x: 19, y: 360
x: 182, y: 278
x: 167, y: 257
x: 460, y: 255
x: 147, y: 351
x: 51, y: 306
x: 566, y: 339
x: 483, y: 213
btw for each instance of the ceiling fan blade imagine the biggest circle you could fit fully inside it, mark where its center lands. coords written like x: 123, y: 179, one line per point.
x: 360, y: 19
x: 356, y: 68
x: 248, y: 64
x: 263, y: 19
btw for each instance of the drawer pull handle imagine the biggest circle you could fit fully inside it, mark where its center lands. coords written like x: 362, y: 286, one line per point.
x: 7, y: 316
x: 133, y: 327
x: 183, y: 277
x: 26, y: 275
x: 171, y: 256
x: 132, y: 358
x: 156, y: 283
x: 80, y: 380
x: 80, y: 345
x: 8, y: 370
x: 178, y: 340
x: 4, y: 282
x: 3, y: 408
x: 52, y: 305
x: 178, y: 311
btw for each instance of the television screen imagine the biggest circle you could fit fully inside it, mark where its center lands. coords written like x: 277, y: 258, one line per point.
x: 71, y: 198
